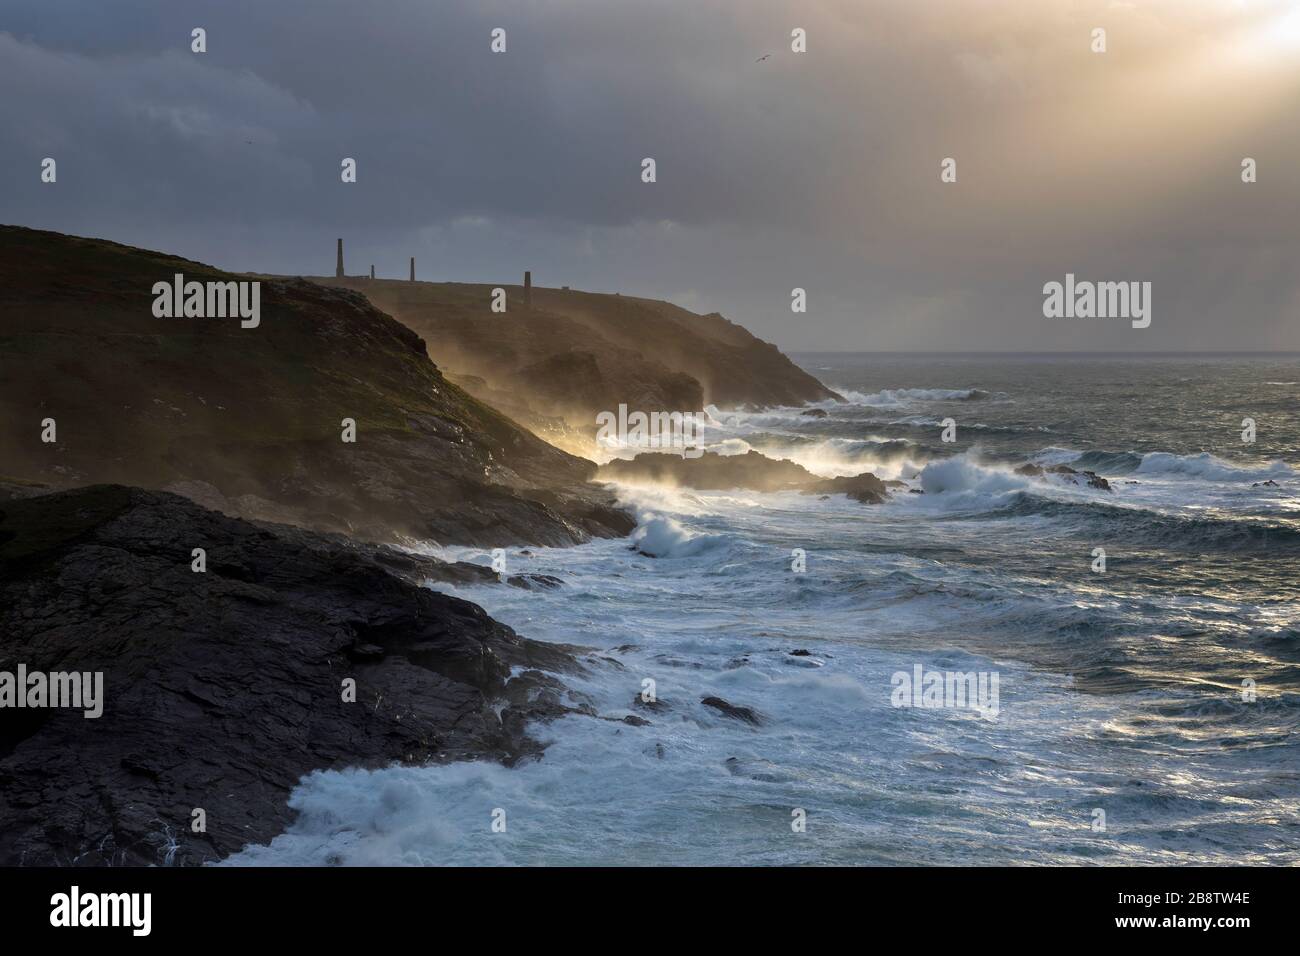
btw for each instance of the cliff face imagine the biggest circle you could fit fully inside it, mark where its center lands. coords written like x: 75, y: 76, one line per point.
x: 578, y: 353
x: 249, y: 420
x: 222, y: 688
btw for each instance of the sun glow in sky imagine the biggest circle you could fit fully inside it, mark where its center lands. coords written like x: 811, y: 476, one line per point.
x: 825, y: 164
x: 1285, y: 30
x: 1274, y: 25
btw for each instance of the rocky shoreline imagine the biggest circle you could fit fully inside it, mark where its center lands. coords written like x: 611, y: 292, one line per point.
x: 133, y: 439
x: 224, y: 687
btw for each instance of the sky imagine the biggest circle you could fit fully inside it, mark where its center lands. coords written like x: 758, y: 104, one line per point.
x: 817, y: 170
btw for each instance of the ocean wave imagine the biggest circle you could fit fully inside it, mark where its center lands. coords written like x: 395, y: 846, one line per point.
x: 931, y: 421
x: 961, y: 482
x: 1102, y: 462
x: 837, y: 457
x: 730, y: 446
x: 1209, y: 467
x: 1150, y: 528
x: 967, y: 482
x: 960, y: 475
x: 898, y: 397
x: 1161, y: 464
x: 659, y: 536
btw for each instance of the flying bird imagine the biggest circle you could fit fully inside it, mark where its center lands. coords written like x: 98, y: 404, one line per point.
x: 762, y: 58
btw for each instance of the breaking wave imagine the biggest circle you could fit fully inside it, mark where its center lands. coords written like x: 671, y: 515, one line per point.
x: 898, y: 397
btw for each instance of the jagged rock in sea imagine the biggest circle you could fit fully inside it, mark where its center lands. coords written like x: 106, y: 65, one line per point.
x: 744, y: 714
x: 1090, y: 478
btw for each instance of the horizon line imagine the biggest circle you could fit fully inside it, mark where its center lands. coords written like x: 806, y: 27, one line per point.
x: 1214, y: 352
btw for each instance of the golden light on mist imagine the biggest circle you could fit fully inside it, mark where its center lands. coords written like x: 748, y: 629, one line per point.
x: 1285, y: 30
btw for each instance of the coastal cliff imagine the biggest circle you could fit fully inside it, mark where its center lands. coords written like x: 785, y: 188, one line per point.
x: 251, y: 420
x: 572, y: 354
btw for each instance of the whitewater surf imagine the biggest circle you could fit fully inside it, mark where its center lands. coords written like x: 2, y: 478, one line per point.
x: 1159, y: 696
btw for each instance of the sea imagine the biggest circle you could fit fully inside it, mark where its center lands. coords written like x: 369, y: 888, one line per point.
x: 1138, y: 645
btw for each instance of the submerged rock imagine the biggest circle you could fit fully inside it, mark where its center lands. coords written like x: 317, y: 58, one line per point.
x: 535, y: 582
x: 656, y: 706
x: 733, y: 711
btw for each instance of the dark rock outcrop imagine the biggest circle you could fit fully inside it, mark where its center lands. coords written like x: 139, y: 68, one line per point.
x: 866, y: 488
x: 223, y: 688
x: 752, y: 471
x: 1095, y: 480
x: 1090, y: 478
x: 745, y: 714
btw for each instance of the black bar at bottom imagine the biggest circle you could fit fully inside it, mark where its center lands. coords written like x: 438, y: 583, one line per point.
x: 212, y: 905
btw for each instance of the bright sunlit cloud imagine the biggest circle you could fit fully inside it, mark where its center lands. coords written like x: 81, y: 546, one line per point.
x: 1285, y: 31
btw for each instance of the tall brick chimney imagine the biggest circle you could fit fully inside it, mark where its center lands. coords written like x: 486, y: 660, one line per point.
x: 372, y: 272
x: 412, y: 268
x: 528, y: 291
x: 338, y: 269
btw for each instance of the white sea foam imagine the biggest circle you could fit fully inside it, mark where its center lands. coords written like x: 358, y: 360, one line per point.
x: 898, y: 397
x: 836, y: 457
x: 960, y: 475
x: 718, y: 612
x: 1208, y: 467
x: 730, y: 446
x: 660, y: 536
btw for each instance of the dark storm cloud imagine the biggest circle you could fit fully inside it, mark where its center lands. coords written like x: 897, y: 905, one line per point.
x: 817, y: 170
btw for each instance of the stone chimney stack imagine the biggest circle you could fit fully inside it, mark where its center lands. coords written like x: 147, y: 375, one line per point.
x: 528, y: 291
x: 372, y: 272
x: 338, y: 269
x: 412, y: 268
